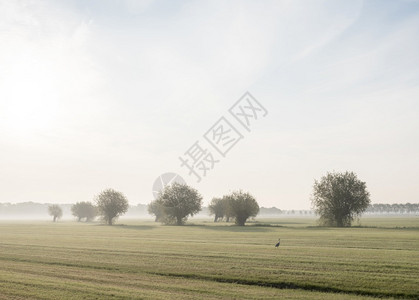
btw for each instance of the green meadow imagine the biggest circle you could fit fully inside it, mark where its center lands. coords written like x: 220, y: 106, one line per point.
x: 203, y: 260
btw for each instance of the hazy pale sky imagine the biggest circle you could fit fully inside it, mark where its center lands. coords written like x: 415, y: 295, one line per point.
x: 98, y: 94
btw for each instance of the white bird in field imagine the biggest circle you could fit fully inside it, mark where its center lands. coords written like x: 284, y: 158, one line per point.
x: 277, y: 244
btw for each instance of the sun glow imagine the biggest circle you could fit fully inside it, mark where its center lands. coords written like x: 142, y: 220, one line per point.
x: 30, y: 97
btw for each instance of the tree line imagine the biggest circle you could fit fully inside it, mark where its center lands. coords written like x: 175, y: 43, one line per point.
x: 177, y: 202
x: 109, y: 205
x: 338, y: 198
x: 172, y: 207
x: 395, y: 208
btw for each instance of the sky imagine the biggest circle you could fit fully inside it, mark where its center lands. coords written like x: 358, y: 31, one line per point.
x: 111, y: 94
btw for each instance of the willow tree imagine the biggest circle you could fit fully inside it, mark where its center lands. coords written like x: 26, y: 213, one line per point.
x: 339, y: 198
x: 55, y: 211
x: 111, y: 204
x: 176, y: 203
x: 242, y: 206
x: 84, y: 210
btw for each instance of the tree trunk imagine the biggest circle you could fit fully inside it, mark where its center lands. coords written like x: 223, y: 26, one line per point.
x: 110, y: 221
x: 55, y: 218
x: 179, y: 221
x: 240, y: 221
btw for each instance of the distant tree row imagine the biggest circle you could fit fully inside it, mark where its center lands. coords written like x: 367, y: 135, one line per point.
x: 402, y: 208
x: 178, y: 201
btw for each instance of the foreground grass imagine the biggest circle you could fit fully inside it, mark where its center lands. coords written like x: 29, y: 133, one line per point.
x: 145, y: 260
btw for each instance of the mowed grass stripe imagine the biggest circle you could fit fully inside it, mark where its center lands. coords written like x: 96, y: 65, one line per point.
x: 291, y: 272
x: 307, y: 260
x: 121, y: 282
x: 52, y: 283
x: 290, y: 263
x: 292, y: 286
x: 405, y: 260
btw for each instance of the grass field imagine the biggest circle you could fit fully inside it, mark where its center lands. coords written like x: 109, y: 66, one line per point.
x: 141, y: 259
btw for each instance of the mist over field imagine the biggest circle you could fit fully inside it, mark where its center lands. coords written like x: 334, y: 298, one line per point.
x: 38, y: 211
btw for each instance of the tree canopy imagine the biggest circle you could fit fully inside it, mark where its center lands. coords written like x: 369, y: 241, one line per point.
x: 111, y: 204
x: 243, y: 206
x: 220, y: 208
x: 339, y: 197
x: 84, y: 210
x: 157, y: 209
x: 176, y: 203
x: 55, y: 211
x: 216, y: 208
